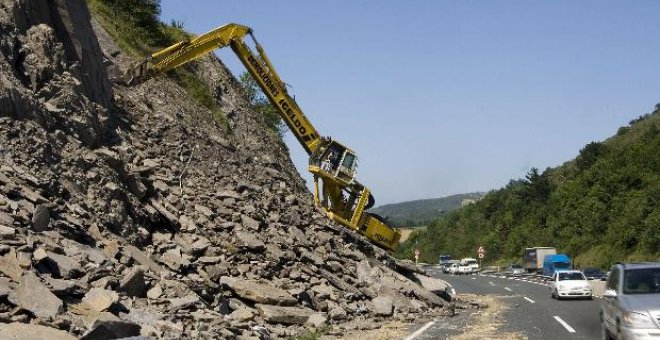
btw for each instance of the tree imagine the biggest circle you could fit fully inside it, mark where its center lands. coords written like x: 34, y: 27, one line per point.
x: 590, y: 154
x: 260, y: 103
x: 538, y: 185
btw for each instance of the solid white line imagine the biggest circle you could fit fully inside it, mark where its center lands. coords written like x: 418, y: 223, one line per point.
x: 507, y: 288
x: 563, y: 323
x: 421, y: 330
x: 528, y: 299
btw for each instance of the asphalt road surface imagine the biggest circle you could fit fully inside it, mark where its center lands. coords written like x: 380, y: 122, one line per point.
x: 531, y: 311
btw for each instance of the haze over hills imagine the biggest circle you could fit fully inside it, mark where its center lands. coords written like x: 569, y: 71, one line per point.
x: 418, y: 212
x: 600, y: 208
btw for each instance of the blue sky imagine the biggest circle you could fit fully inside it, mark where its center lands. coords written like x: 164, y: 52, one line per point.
x: 447, y: 97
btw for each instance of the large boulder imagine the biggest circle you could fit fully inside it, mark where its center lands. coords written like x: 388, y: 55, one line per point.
x: 258, y: 291
x: 33, y: 296
x: 21, y: 331
x: 284, y: 315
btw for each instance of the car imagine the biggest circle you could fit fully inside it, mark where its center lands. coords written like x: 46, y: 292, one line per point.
x: 630, y: 307
x: 570, y: 284
x: 465, y: 269
x: 447, y: 266
x: 515, y: 268
x: 472, y: 264
x: 594, y: 274
x: 453, y: 269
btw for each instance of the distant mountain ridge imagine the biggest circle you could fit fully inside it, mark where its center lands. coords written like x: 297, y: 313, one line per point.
x: 418, y: 212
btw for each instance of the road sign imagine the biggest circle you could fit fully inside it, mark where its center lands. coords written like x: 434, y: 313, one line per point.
x: 481, y: 250
x: 417, y: 252
x: 481, y: 255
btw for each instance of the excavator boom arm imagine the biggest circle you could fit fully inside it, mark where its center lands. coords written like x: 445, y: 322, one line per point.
x: 338, y: 178
x: 258, y: 66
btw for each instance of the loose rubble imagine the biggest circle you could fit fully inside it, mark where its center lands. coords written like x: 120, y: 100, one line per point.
x: 135, y: 212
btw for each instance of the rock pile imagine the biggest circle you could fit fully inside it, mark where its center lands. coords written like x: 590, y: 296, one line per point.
x: 133, y: 211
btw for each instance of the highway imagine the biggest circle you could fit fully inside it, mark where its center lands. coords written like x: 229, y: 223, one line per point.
x: 530, y: 310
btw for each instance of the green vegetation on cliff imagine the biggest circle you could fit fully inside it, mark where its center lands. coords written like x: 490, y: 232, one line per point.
x: 601, y: 207
x: 136, y: 28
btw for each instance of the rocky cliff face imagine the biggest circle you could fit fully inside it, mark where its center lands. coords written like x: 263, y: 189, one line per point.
x: 131, y: 211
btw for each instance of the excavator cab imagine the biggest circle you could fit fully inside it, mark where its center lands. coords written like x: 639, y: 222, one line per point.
x: 331, y: 160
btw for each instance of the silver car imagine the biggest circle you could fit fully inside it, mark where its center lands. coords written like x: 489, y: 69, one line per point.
x: 515, y: 269
x: 630, y: 308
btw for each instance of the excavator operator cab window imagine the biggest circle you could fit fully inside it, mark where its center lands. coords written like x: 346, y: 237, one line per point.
x: 344, y: 165
x: 336, y: 160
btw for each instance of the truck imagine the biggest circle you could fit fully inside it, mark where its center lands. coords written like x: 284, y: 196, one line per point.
x: 555, y: 262
x: 444, y: 258
x: 333, y: 165
x: 533, y: 258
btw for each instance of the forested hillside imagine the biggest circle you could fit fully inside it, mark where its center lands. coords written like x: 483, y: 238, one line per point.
x: 601, y: 207
x: 421, y: 212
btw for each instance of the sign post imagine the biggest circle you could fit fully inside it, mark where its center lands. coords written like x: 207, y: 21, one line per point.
x: 481, y: 252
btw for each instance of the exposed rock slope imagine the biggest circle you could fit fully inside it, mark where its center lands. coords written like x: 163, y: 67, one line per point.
x: 131, y: 211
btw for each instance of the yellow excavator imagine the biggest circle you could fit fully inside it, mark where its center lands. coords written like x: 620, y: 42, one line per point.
x: 333, y: 165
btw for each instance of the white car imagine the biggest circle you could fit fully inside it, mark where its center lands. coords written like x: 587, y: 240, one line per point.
x: 453, y: 269
x: 471, y: 264
x: 463, y: 269
x: 570, y: 284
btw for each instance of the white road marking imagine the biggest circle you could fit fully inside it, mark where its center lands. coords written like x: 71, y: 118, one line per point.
x: 491, y: 283
x: 453, y: 291
x: 563, y: 323
x: 474, y: 278
x: 421, y: 330
x: 528, y: 299
x: 507, y: 288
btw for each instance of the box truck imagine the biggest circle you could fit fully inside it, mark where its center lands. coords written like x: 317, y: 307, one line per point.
x: 533, y: 258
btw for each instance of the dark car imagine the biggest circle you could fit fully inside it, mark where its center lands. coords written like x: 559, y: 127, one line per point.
x: 594, y: 274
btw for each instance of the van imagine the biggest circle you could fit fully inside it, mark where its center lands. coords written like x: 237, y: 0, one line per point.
x: 472, y: 264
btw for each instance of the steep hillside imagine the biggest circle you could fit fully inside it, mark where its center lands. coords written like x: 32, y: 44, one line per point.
x: 421, y: 212
x: 601, y: 207
x: 168, y: 210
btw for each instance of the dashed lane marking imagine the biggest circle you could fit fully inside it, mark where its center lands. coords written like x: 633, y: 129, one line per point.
x: 563, y: 323
x: 491, y: 283
x: 474, y: 278
x: 421, y: 330
x: 507, y: 288
x: 528, y: 299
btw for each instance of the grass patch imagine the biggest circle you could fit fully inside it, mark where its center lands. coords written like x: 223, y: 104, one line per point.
x: 136, y: 29
x: 314, y: 334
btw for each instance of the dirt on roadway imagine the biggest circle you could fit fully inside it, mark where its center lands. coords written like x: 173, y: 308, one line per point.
x: 484, y: 323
